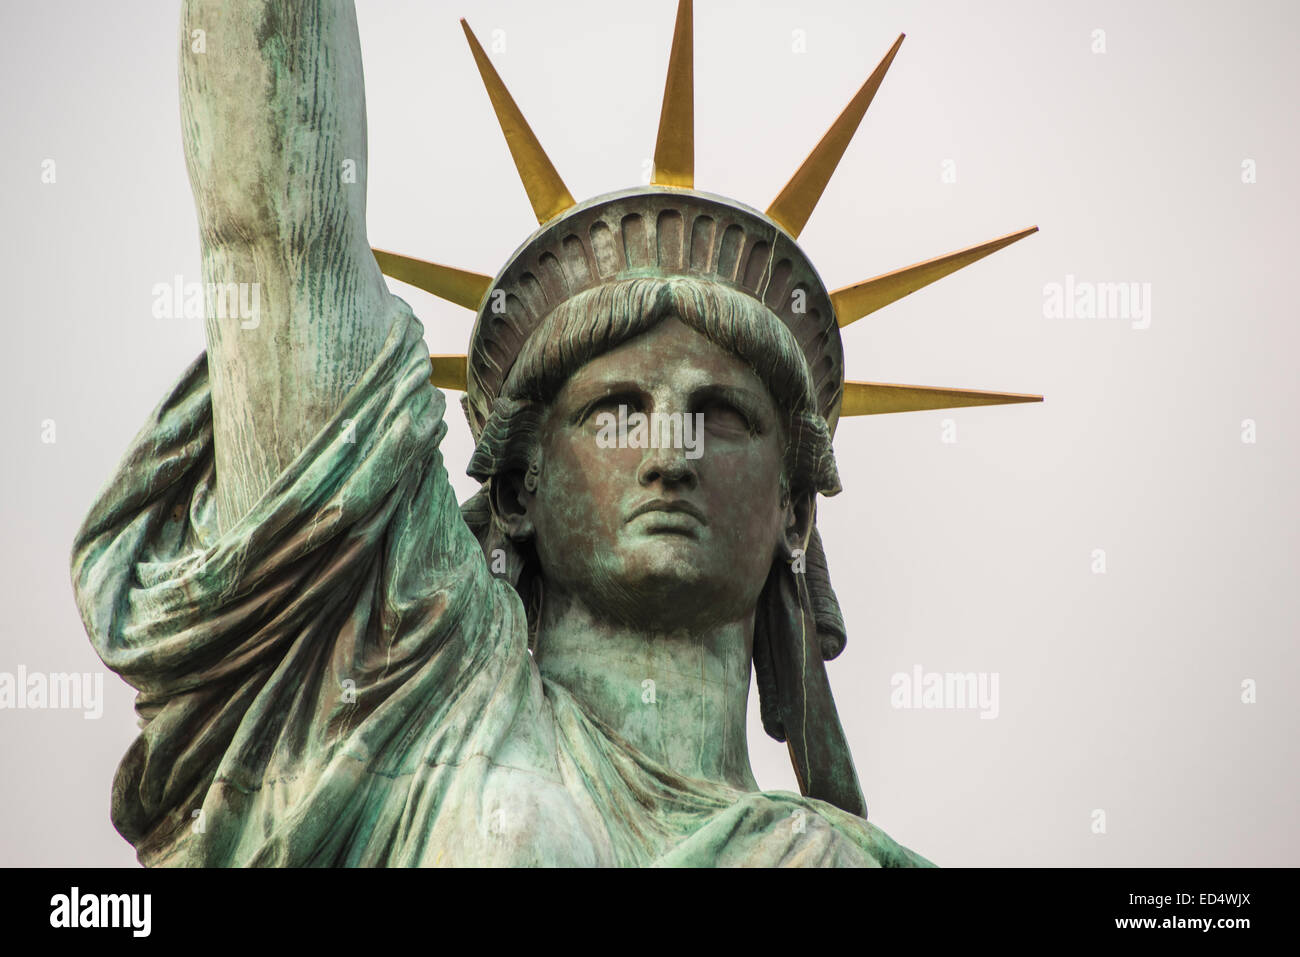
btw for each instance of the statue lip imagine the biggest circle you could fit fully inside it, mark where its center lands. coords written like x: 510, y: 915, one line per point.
x: 669, y: 505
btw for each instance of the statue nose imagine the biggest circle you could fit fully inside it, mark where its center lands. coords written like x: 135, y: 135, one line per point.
x: 667, y: 465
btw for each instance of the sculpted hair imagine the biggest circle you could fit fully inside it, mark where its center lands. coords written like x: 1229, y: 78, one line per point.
x: 595, y: 322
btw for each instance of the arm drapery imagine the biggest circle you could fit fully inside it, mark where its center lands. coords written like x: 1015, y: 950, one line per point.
x: 301, y: 672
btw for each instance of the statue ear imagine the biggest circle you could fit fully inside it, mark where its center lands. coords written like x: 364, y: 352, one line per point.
x: 800, y: 513
x: 512, y: 498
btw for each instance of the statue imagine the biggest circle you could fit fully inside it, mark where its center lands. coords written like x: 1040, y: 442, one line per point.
x: 337, y: 664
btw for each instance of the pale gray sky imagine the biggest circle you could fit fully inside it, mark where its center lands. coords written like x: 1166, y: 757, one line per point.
x: 1119, y: 692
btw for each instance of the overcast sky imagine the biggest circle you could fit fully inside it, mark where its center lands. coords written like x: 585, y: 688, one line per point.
x: 1159, y: 151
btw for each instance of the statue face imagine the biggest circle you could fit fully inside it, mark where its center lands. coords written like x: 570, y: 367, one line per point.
x: 666, y: 537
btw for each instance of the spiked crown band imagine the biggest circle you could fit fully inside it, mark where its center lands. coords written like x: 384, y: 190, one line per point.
x: 654, y: 231
x: 670, y: 228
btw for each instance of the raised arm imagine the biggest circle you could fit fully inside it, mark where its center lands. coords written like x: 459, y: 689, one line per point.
x: 273, y: 114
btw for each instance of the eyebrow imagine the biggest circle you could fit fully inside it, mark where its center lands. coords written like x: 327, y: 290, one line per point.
x: 750, y: 405
x: 587, y: 395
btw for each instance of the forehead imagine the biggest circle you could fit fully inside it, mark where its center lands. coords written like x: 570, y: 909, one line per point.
x: 670, y: 356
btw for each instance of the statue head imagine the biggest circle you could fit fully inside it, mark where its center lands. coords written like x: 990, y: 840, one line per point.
x: 648, y: 451
x: 671, y: 301
x: 671, y: 530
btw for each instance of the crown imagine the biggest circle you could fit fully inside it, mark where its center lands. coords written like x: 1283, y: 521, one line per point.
x: 670, y: 228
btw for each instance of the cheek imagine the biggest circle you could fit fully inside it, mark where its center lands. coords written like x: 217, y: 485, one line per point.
x: 579, y: 497
x: 744, y: 494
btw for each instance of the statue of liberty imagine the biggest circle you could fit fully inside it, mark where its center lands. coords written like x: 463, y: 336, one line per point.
x: 339, y: 665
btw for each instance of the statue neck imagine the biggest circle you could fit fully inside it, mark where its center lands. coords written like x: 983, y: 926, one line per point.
x: 677, y: 696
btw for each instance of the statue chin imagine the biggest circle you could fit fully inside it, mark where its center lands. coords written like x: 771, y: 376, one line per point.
x: 663, y: 582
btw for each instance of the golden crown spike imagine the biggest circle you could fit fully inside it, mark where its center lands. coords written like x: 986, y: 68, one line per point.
x: 796, y: 201
x: 546, y: 191
x: 674, y: 162
x: 863, y: 298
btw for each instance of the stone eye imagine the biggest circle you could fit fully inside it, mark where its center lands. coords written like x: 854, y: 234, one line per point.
x: 611, y: 404
x: 724, y: 418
